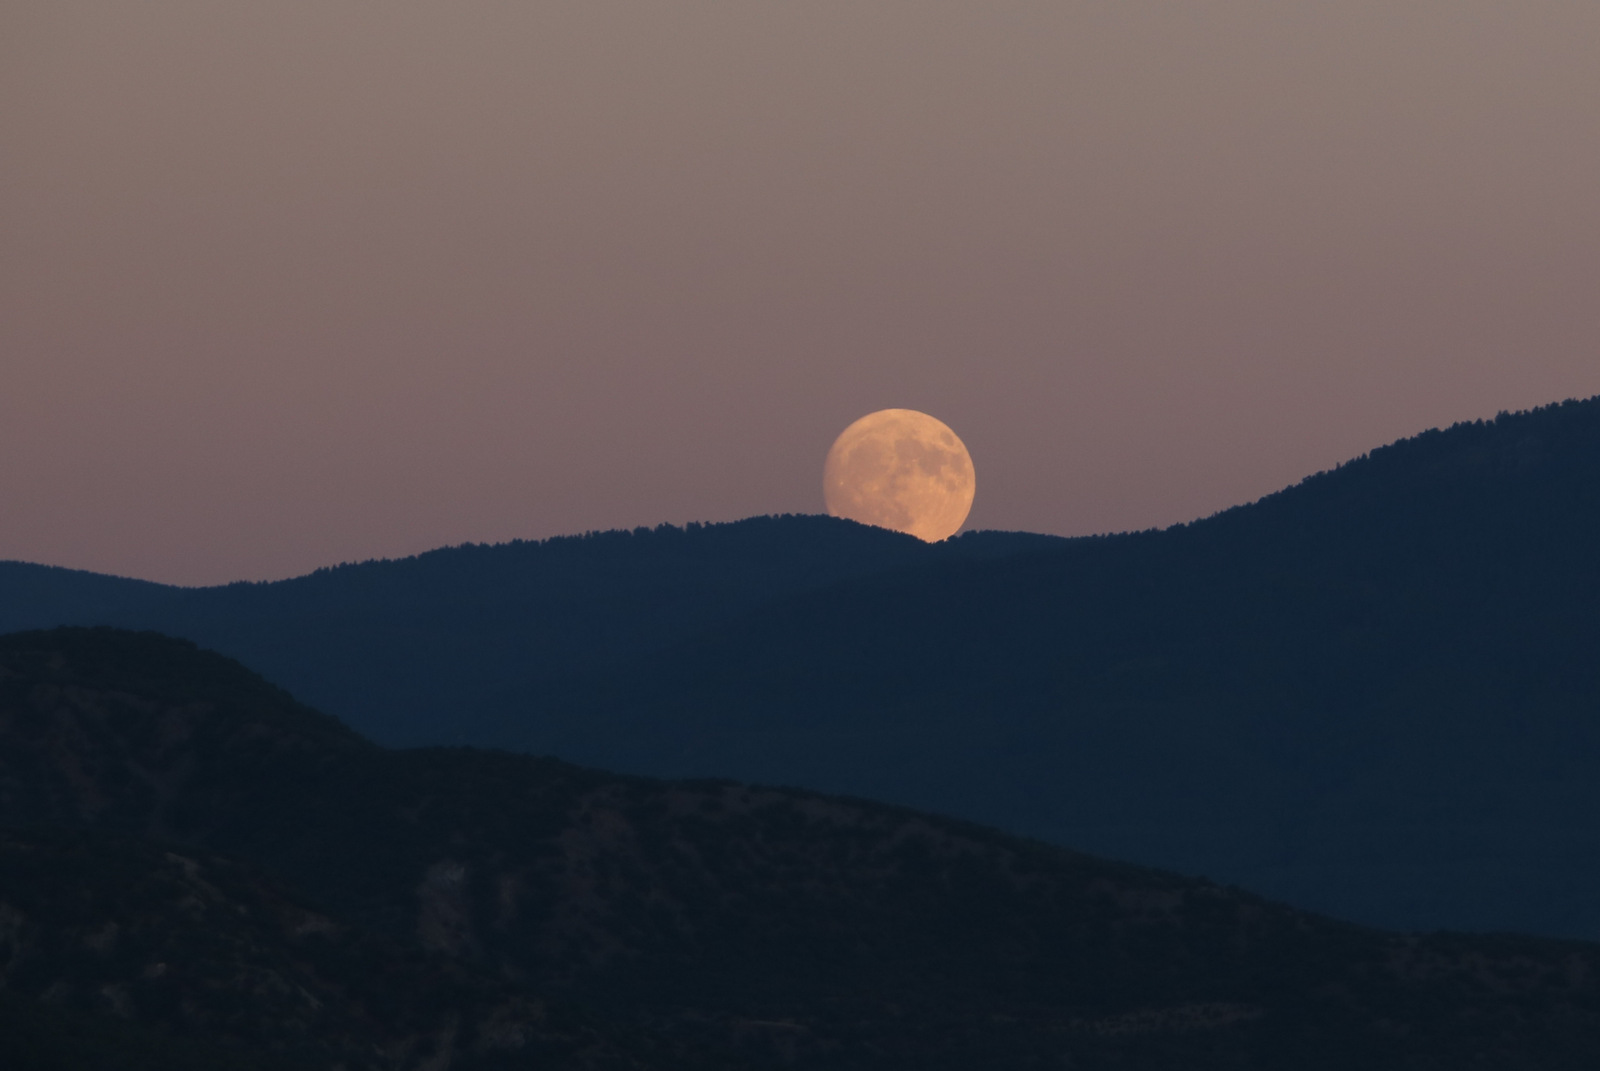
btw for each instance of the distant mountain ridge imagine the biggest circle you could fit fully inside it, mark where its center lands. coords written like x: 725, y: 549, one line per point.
x: 1373, y: 693
x: 398, y: 647
x: 192, y: 862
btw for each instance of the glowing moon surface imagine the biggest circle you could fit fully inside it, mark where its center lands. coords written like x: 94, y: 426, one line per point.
x: 900, y: 469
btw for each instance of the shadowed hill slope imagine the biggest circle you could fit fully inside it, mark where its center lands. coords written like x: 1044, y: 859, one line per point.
x: 140, y: 956
x: 412, y: 651
x: 710, y: 924
x: 1376, y: 693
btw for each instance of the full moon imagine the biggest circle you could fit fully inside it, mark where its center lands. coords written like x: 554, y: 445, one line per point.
x: 900, y: 469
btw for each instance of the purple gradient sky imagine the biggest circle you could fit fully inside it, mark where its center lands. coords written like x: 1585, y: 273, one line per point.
x: 290, y: 283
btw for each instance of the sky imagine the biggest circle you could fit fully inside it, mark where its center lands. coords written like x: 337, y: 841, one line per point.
x: 289, y: 284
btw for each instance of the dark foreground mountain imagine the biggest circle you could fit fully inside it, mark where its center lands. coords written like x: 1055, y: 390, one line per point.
x: 1375, y: 694
x: 191, y: 859
x: 135, y: 954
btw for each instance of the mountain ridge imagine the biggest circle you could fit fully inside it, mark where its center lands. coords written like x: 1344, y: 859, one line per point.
x: 681, y: 924
x: 1370, y: 693
x: 544, y: 607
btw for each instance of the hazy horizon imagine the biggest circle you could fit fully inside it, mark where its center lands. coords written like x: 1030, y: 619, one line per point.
x: 287, y: 286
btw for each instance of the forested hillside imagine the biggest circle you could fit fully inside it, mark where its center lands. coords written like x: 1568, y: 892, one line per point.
x: 420, y: 649
x: 197, y: 871
x: 1374, y: 693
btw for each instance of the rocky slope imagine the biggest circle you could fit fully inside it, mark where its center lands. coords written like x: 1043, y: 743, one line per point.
x: 318, y: 898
